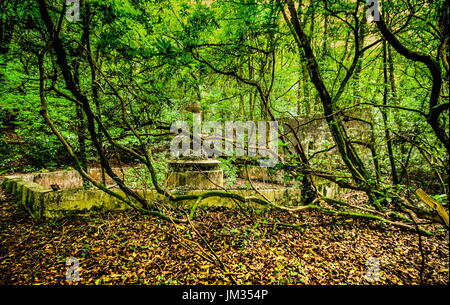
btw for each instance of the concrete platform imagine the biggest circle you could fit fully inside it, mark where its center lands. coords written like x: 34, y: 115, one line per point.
x: 43, y: 202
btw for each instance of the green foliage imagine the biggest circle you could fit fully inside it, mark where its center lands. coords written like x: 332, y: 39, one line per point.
x: 157, y: 57
x: 230, y: 171
x: 140, y: 177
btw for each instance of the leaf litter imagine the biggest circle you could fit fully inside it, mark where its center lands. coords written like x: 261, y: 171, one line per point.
x: 130, y: 248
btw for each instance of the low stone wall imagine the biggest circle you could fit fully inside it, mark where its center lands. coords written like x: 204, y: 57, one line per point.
x: 258, y: 173
x: 42, y: 202
x: 70, y: 179
x: 208, y: 179
x: 31, y: 195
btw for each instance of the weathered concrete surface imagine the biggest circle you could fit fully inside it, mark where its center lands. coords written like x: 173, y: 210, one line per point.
x: 327, y: 188
x: 258, y: 173
x: 42, y: 202
x: 29, y: 194
x: 70, y: 179
x: 286, y: 196
x: 194, y: 175
x: 210, y: 179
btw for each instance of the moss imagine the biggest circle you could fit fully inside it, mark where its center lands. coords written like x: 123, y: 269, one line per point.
x: 41, y: 202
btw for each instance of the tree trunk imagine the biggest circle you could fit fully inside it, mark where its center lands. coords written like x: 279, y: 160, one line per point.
x: 346, y: 149
x: 384, y: 114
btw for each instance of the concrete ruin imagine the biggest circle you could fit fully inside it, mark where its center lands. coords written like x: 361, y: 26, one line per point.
x: 35, y: 194
x: 194, y: 174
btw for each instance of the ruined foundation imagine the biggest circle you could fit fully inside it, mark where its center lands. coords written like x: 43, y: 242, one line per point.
x: 194, y: 175
x: 34, y: 193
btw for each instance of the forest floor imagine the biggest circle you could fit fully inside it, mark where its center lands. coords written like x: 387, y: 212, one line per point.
x: 131, y: 248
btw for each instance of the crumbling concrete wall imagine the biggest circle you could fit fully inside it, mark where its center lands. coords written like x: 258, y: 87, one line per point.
x: 258, y: 173
x: 207, y: 179
x: 71, y: 179
x: 42, y: 202
x: 317, y: 140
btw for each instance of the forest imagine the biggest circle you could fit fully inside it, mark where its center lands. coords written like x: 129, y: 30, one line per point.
x: 231, y: 142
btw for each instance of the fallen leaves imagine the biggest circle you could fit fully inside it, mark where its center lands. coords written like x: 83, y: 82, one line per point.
x: 130, y: 248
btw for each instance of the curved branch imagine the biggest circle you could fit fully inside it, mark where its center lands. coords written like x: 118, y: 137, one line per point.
x: 435, y: 71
